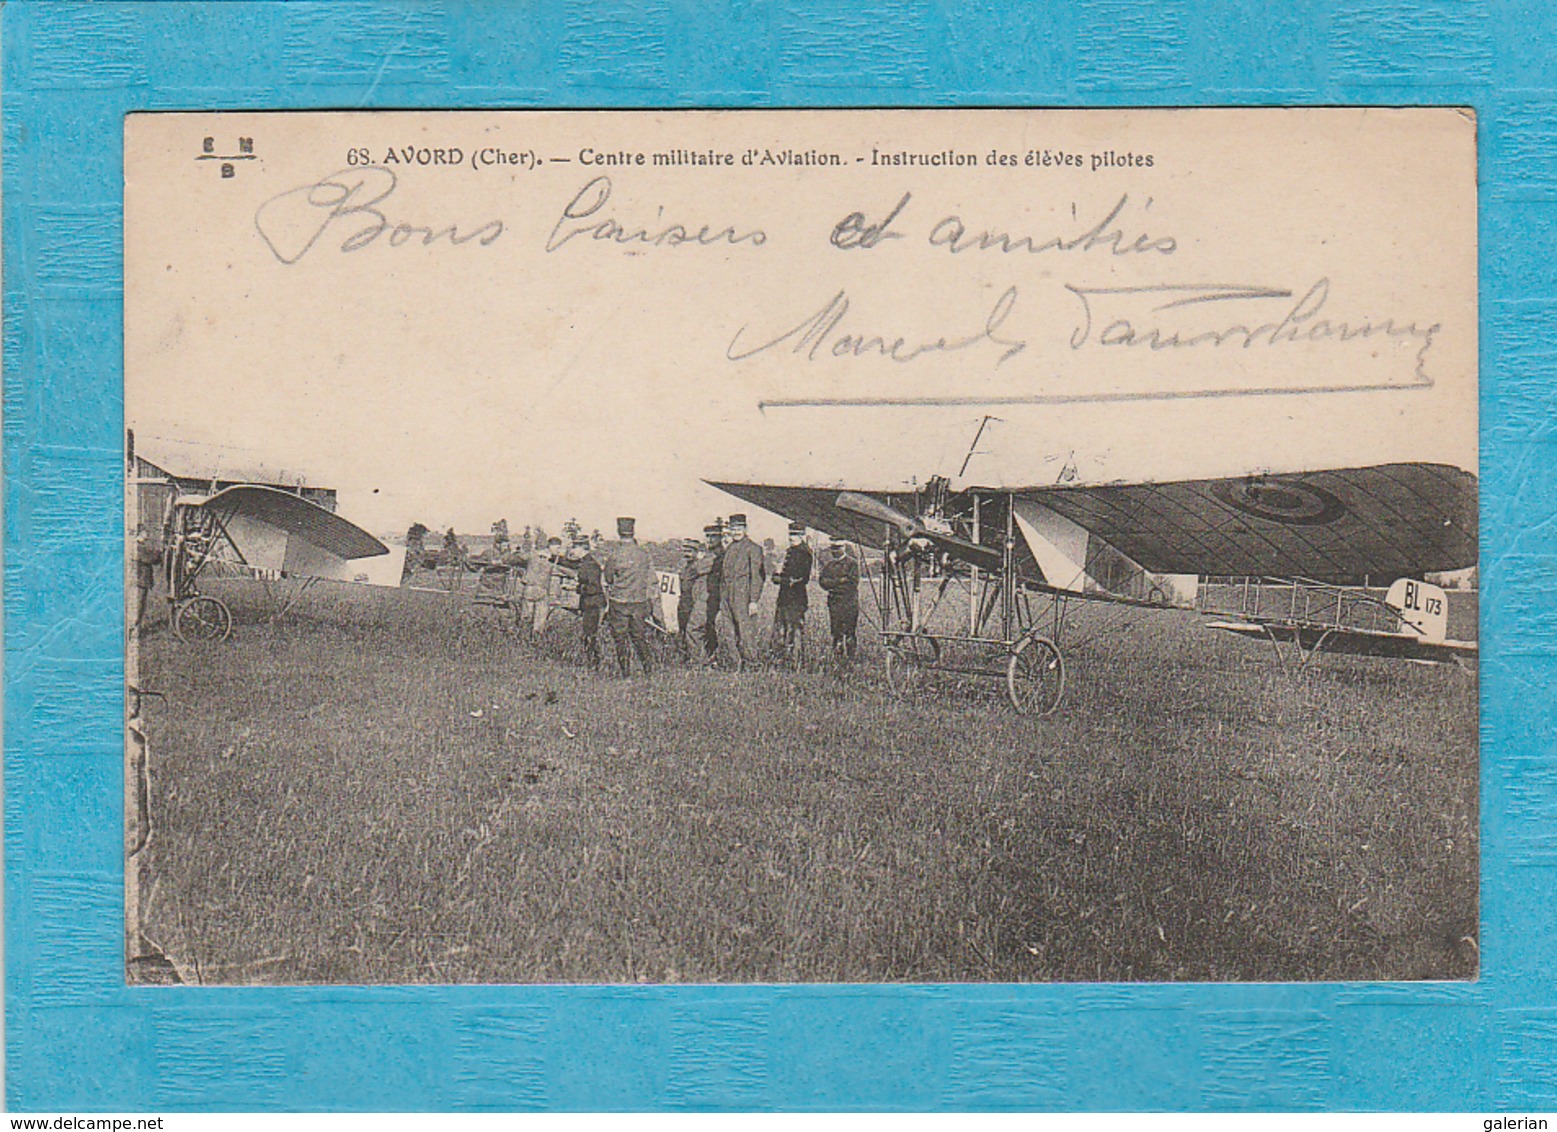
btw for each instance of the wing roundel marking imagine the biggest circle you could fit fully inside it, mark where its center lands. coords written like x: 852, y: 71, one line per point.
x: 1290, y: 502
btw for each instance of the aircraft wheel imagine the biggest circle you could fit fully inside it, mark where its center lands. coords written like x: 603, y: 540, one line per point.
x: 202, y: 619
x: 1035, y: 676
x: 908, y: 663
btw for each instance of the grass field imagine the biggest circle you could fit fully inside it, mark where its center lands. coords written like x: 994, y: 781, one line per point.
x: 386, y: 786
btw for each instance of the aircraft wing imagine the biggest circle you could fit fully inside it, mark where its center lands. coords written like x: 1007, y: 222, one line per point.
x: 817, y: 508
x: 1336, y: 526
x: 274, y: 529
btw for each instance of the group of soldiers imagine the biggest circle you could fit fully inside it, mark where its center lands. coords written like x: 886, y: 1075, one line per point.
x: 722, y: 579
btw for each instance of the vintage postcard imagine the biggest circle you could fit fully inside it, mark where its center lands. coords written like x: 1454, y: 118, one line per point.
x: 779, y: 546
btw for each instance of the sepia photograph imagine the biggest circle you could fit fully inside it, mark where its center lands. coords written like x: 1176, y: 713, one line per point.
x: 857, y: 546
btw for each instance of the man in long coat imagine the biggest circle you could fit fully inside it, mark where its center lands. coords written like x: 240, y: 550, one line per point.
x: 741, y: 577
x: 789, y: 615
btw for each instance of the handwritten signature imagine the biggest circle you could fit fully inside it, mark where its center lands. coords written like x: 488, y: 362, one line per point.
x: 1118, y: 319
x: 818, y: 335
x: 292, y: 222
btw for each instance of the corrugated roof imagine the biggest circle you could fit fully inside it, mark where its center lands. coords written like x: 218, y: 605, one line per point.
x: 187, y: 459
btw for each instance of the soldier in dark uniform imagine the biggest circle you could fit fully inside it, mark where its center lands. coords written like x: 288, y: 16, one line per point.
x: 686, y: 597
x: 713, y: 536
x: 840, y: 577
x: 630, y: 584
x: 789, y: 616
x: 591, y: 597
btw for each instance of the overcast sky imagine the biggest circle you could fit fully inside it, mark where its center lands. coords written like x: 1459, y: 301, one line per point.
x: 541, y: 368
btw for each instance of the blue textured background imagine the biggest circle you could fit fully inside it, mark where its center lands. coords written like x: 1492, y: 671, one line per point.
x: 77, y: 1038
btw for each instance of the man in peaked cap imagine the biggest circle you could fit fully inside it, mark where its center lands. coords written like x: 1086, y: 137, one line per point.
x: 742, y: 575
x: 686, y: 599
x: 591, y: 596
x: 630, y: 584
x: 692, y: 601
x: 789, y: 617
x: 840, y: 577
x: 713, y: 557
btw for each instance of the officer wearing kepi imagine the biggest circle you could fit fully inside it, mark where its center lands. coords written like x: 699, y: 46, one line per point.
x: 686, y: 597
x: 591, y: 596
x: 630, y: 585
x: 695, y: 591
x: 840, y: 577
x: 713, y: 537
x: 789, y: 616
x: 741, y: 578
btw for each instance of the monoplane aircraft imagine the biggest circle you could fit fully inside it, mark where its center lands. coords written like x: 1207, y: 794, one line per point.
x: 262, y: 531
x: 1302, y: 552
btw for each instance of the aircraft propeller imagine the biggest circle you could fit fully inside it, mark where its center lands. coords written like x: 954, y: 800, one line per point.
x: 869, y: 507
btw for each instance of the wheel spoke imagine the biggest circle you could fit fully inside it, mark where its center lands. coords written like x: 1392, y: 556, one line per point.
x: 1035, y: 676
x: 202, y: 618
